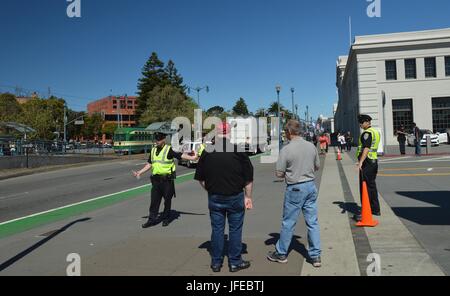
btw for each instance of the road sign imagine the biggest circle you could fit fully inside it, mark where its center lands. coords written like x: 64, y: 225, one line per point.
x: 27, y: 146
x: 79, y: 122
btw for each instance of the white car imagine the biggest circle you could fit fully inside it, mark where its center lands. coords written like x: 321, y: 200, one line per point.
x: 186, y: 148
x: 435, y: 138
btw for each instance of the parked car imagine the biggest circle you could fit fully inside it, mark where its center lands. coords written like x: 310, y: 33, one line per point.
x: 423, y: 142
x: 444, y: 136
x: 186, y: 148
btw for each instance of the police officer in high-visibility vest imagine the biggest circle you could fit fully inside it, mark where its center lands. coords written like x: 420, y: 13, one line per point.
x: 368, y: 162
x: 161, y: 162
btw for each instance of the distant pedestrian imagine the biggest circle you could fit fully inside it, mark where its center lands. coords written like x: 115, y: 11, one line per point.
x: 341, y: 141
x: 401, y: 138
x: 323, y: 139
x: 227, y: 176
x: 417, y: 138
x: 349, y: 141
x: 298, y: 170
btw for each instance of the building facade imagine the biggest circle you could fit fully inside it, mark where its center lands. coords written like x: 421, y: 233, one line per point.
x: 115, y: 109
x: 397, y: 79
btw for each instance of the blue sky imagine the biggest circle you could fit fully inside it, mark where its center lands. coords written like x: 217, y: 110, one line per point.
x: 239, y: 48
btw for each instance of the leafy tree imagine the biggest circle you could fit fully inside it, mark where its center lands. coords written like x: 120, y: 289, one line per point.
x: 166, y: 103
x: 261, y: 112
x: 215, y: 111
x: 74, y: 131
x: 39, y: 116
x: 10, y: 109
x: 108, y: 129
x: 93, y: 126
x: 240, y: 108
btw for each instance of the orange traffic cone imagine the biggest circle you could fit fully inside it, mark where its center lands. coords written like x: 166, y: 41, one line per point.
x: 366, y: 211
x: 339, y: 155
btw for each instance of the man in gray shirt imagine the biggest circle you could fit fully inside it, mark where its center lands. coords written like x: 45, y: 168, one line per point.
x: 297, y: 164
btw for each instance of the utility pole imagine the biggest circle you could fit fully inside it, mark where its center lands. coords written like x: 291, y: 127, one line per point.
x: 293, y: 106
x: 65, y: 128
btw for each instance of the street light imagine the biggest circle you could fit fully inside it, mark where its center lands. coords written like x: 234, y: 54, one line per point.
x: 292, y: 91
x: 278, y: 89
x: 296, y: 112
x: 198, y: 89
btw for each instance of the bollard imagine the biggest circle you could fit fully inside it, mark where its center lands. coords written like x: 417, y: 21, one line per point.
x: 428, y: 143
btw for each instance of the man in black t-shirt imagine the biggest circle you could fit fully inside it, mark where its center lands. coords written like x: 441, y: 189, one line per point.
x: 227, y: 176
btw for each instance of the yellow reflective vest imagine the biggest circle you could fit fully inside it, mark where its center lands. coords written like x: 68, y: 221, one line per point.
x: 373, y: 152
x: 161, y: 165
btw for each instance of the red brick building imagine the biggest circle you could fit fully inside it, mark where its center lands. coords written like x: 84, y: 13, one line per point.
x: 115, y: 109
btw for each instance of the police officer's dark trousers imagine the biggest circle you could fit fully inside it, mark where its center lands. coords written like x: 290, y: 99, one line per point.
x: 161, y: 188
x: 369, y: 174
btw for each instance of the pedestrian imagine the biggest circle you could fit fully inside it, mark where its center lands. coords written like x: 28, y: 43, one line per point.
x: 227, y: 176
x: 417, y: 138
x: 368, y: 162
x: 401, y: 138
x: 323, y: 143
x: 162, y: 165
x: 342, y: 143
x: 298, y: 170
x: 349, y: 141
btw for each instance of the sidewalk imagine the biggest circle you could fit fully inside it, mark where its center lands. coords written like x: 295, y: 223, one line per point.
x: 111, y: 242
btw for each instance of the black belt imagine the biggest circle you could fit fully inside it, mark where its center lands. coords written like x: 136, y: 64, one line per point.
x: 300, y: 183
x: 162, y: 178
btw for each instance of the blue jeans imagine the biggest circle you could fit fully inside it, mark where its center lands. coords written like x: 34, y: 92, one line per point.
x: 418, y: 148
x: 220, y: 208
x: 300, y: 197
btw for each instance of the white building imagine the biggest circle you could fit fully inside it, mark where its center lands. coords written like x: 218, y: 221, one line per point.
x: 408, y: 72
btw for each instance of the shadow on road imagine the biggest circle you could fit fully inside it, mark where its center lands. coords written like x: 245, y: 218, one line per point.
x: 175, y: 215
x: 207, y: 246
x: 296, y: 245
x: 24, y: 253
x: 438, y: 215
x: 347, y: 207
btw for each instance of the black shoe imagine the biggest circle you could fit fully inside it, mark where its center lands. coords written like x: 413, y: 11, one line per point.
x: 243, y: 265
x: 216, y: 268
x: 274, y: 256
x: 165, y: 223
x: 357, y: 218
x: 376, y: 214
x: 149, y: 223
x: 316, y: 262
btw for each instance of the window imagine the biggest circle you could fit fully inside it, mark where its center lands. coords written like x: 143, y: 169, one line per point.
x: 114, y: 107
x: 402, y: 114
x: 391, y: 70
x: 447, y: 66
x: 430, y: 67
x: 441, y: 114
x: 410, y: 69
x: 114, y: 101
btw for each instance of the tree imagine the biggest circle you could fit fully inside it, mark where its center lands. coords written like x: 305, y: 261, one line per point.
x: 93, y: 126
x: 261, y: 112
x: 172, y: 76
x: 109, y: 129
x: 240, y: 109
x: 10, y: 109
x: 38, y: 115
x: 273, y: 109
x: 166, y: 103
x: 154, y: 75
x: 215, y: 111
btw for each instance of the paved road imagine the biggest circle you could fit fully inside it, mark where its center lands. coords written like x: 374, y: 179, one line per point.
x: 418, y: 191
x: 40, y: 192
x: 103, y: 236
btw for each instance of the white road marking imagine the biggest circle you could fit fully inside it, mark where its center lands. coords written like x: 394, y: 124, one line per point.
x: 13, y: 195
x: 397, y: 158
x: 82, y: 202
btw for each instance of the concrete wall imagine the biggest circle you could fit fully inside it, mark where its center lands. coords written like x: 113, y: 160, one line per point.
x: 14, y: 162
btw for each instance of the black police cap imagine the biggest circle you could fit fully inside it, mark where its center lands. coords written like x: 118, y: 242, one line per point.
x: 364, y: 118
x: 160, y: 136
